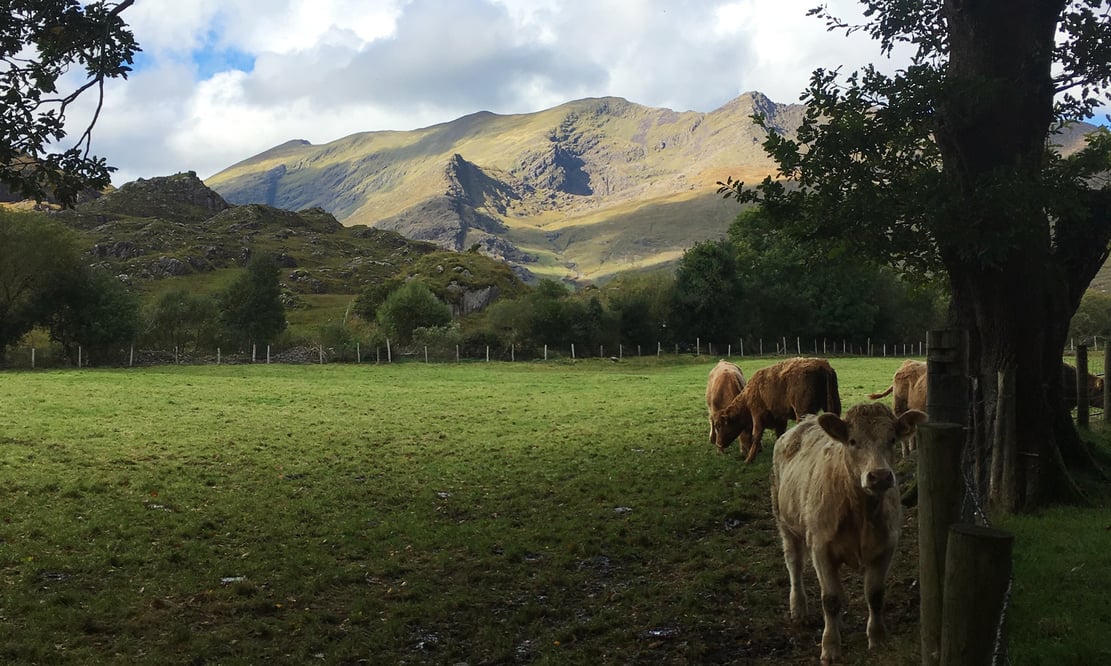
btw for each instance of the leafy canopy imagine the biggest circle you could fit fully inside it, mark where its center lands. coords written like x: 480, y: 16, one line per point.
x: 252, y: 308
x: 868, y: 167
x: 41, y: 41
x: 37, y: 257
x: 411, y: 306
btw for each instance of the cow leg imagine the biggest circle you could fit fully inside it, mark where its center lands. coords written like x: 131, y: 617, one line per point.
x: 794, y: 555
x: 833, y: 603
x: 874, y: 576
x: 757, y: 435
x: 781, y: 427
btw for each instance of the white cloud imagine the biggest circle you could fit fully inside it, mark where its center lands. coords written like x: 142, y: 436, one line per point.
x: 322, y: 69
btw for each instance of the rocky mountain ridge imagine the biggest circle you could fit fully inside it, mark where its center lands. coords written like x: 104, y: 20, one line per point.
x: 582, y: 190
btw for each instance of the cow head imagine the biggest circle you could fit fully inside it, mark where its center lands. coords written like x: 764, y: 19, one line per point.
x: 729, y: 423
x: 868, y: 433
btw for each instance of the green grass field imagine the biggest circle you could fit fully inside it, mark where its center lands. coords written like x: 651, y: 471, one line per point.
x: 543, y: 513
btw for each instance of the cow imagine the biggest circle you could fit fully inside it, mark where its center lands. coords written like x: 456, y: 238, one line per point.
x: 835, y: 499
x: 1069, y: 386
x: 909, y: 387
x: 725, y: 382
x: 774, y: 395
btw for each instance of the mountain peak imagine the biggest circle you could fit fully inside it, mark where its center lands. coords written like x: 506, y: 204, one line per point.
x: 547, y: 184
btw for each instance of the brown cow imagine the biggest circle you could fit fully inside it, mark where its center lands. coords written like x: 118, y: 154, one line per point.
x: 905, y: 385
x: 909, y: 387
x: 775, y: 395
x: 1068, y: 383
x: 835, y: 499
x: 725, y: 382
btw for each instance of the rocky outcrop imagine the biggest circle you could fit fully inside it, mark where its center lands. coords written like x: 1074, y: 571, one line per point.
x: 169, y: 266
x: 181, y: 196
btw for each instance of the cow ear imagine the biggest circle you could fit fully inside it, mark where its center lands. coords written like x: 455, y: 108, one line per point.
x: 910, y: 420
x: 834, y: 427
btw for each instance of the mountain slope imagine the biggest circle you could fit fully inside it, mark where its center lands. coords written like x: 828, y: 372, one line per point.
x: 174, y: 232
x: 582, y: 190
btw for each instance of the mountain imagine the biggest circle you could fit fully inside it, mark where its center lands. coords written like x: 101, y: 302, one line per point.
x: 581, y: 191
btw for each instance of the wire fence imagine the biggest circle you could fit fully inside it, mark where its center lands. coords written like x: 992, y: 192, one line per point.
x: 54, y: 356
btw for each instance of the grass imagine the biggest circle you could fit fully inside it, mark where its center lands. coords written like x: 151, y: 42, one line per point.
x: 1062, y: 555
x: 547, y: 513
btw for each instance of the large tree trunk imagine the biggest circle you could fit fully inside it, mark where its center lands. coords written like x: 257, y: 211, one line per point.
x: 1017, y: 276
x: 1013, y: 320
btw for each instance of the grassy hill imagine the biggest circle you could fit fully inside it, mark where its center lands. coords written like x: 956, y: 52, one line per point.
x: 174, y: 232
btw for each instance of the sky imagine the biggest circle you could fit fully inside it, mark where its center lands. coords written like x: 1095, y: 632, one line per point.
x: 219, y: 81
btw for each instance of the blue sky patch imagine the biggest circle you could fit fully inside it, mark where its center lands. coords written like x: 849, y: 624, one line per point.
x: 208, y: 59
x: 210, y: 62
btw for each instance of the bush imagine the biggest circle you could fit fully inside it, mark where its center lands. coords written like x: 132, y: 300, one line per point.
x: 411, y: 307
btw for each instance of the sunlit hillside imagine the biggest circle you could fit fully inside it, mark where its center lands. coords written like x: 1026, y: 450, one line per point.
x: 582, y: 190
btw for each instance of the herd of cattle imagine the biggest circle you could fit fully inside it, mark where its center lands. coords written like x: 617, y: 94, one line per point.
x: 833, y: 489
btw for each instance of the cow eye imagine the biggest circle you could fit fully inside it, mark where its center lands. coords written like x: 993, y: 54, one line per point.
x: 852, y: 441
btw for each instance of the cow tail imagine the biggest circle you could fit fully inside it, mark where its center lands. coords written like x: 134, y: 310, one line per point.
x: 833, y: 397
x: 882, y: 394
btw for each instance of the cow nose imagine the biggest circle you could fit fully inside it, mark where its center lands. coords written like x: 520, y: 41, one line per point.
x: 880, y: 480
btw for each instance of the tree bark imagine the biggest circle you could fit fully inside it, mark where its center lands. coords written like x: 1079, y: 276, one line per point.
x: 1016, y: 276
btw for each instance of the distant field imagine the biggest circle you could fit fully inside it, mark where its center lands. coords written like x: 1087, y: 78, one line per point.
x: 545, y: 513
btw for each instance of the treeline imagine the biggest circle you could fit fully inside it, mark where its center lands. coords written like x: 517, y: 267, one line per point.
x: 737, y: 291
x: 47, y: 285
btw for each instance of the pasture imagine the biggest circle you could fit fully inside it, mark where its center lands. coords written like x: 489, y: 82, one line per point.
x: 477, y: 513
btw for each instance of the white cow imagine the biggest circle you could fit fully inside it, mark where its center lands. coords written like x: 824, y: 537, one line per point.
x: 834, y: 497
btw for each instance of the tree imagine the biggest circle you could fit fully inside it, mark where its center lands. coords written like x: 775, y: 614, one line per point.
x: 43, y: 40
x: 707, y: 302
x: 592, y: 325
x: 92, y: 310
x: 817, y: 289
x: 179, y: 318
x: 37, y: 256
x: 1092, y: 318
x: 642, y: 304
x: 411, y: 307
x: 944, y: 166
x: 550, y: 320
x: 367, y: 303
x: 251, y: 308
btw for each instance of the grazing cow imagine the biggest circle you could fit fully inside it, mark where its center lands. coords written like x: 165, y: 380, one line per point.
x: 725, y: 382
x: 834, y: 498
x: 1068, y: 384
x: 909, y: 387
x: 775, y: 395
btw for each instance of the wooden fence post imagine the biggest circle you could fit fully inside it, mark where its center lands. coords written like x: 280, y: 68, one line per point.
x: 940, y: 488
x: 947, y: 376
x: 1004, y: 462
x: 940, y: 485
x: 1106, y: 392
x: 977, y: 574
x: 1082, y: 398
